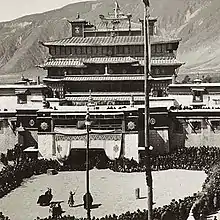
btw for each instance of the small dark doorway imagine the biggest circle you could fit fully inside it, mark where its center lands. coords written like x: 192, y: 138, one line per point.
x: 160, y: 93
x: 77, y: 159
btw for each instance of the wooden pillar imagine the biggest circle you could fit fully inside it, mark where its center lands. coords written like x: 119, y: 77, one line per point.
x: 106, y: 69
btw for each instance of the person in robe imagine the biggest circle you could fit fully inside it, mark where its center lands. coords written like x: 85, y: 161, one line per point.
x: 71, y: 199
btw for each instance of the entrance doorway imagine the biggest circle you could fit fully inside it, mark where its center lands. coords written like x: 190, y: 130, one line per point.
x: 77, y: 159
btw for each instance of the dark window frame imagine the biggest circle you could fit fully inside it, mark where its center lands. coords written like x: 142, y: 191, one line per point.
x: 57, y: 49
x: 197, y: 96
x: 53, y: 50
x: 196, y: 126
x: 21, y: 99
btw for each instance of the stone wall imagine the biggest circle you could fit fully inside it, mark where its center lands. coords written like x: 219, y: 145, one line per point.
x: 159, y: 140
x: 8, y: 137
x: 130, y: 146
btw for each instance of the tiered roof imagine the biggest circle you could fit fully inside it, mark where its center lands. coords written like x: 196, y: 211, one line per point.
x: 108, y: 77
x: 162, y: 61
x: 63, y: 62
x: 81, y: 63
x: 109, y: 41
x: 109, y: 60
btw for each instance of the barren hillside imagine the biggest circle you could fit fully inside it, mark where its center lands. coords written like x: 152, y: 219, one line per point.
x: 195, y: 21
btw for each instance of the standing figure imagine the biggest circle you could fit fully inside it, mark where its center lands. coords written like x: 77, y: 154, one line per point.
x: 215, y: 201
x: 71, y: 200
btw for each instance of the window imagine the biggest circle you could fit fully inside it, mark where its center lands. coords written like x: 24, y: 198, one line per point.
x: 99, y: 50
x: 197, y: 96
x: 110, y: 51
x: 57, y: 50
x: 157, y: 71
x: 68, y: 50
x: 111, y: 71
x: 215, y: 125
x: 65, y: 72
x: 126, y: 50
x: 63, y: 51
x: 94, y: 50
x: 169, y: 47
x: 159, y: 48
x: 151, y: 30
x: 70, y: 72
x: 52, y: 50
x: 121, y: 50
x: 73, y: 51
x: 124, y: 71
x: 89, y: 51
x: 59, y: 72
x: 196, y: 127
x: 137, y: 49
x: 138, y: 70
x: 78, y: 50
x: 132, y: 49
x: 142, y: 49
x: 22, y: 99
x: 204, y: 124
x: 164, y: 48
x: 83, y: 50
x: 104, y: 50
x: 153, y: 49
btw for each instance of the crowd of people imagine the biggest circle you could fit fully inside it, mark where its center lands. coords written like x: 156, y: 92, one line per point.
x: 176, y: 210
x: 209, y: 199
x: 12, y: 175
x: 3, y: 217
x: 192, y: 158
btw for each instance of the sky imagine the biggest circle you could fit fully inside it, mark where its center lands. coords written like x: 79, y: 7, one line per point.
x: 12, y: 9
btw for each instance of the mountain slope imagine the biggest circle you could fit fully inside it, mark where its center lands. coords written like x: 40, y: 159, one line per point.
x: 195, y: 21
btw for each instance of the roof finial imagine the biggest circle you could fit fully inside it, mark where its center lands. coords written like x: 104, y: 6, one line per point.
x: 78, y: 15
x: 90, y: 99
x: 197, y: 80
x: 117, y: 9
x: 132, y: 101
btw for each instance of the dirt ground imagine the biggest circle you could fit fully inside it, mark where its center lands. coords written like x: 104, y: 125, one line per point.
x: 114, y: 192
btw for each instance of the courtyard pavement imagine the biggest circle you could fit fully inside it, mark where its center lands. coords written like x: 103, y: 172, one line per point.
x: 112, y: 192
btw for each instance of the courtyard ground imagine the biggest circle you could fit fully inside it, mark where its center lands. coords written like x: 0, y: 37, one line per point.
x: 115, y: 192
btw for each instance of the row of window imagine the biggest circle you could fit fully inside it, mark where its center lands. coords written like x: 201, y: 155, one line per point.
x: 70, y: 71
x: 197, y: 126
x: 107, y: 50
x: 97, y: 123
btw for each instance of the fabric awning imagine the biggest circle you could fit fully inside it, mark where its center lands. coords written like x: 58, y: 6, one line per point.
x: 198, y: 89
x: 21, y: 91
x: 31, y: 149
x: 109, y: 77
x: 75, y: 131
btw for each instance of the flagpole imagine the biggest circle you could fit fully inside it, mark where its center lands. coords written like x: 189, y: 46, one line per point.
x: 147, y: 70
x: 87, y: 123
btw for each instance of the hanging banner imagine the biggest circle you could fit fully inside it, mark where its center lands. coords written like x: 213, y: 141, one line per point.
x: 63, y: 149
x: 111, y: 143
